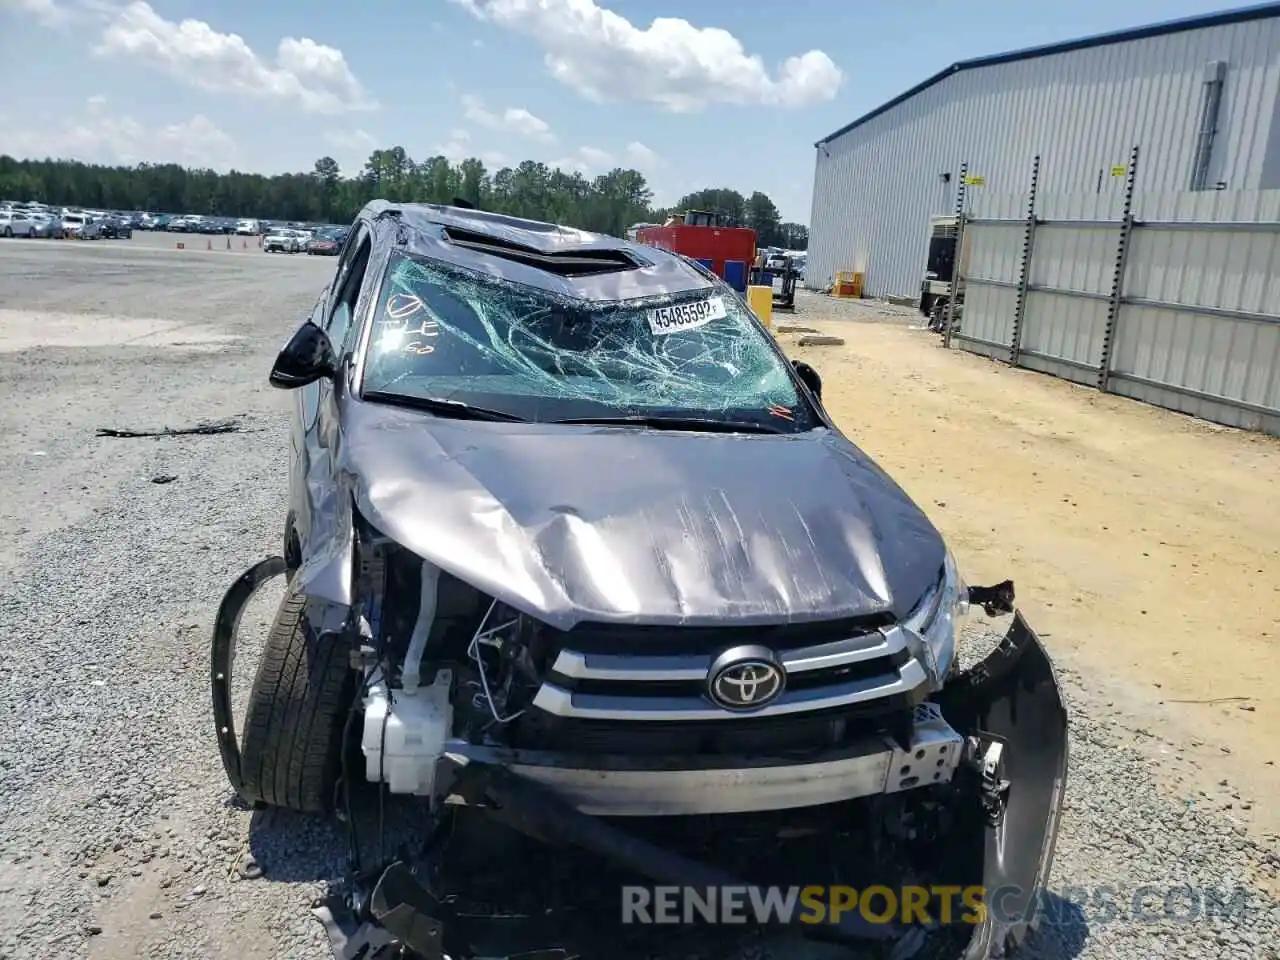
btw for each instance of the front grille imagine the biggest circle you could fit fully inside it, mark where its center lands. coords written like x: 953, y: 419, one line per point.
x: 827, y: 669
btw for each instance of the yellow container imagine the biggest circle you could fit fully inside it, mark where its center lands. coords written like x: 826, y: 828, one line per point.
x: 761, y: 299
x: 848, y: 284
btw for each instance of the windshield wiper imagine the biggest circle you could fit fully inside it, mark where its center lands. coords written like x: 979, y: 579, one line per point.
x: 445, y: 408
x: 678, y: 423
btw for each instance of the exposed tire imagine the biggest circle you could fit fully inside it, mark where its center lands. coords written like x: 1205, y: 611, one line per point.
x: 293, y: 738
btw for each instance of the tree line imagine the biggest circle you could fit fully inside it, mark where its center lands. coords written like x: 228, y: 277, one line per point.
x: 608, y: 203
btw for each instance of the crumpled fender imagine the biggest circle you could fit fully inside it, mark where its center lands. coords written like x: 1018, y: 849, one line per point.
x: 1014, y: 696
x: 328, y: 555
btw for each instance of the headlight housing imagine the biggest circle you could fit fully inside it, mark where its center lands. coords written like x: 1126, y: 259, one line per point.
x: 933, y: 623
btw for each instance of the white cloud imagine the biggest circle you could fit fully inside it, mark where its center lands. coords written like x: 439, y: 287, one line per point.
x: 351, y: 148
x: 516, y: 119
x: 455, y: 149
x: 48, y: 13
x: 641, y: 157
x: 605, y: 57
x: 98, y: 137
x: 305, y: 73
x: 588, y: 161
x: 350, y: 139
x: 459, y: 147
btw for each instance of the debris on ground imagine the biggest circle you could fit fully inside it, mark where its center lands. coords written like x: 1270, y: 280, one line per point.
x: 795, y: 328
x: 821, y: 340
x: 204, y: 428
x: 163, y: 478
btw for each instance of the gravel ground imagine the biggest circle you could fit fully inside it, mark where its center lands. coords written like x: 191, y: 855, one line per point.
x: 117, y: 835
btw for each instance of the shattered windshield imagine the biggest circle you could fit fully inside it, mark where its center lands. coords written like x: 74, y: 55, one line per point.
x: 444, y: 334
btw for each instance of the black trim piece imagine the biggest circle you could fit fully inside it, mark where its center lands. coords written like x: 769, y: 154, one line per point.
x: 886, y: 666
x: 656, y: 641
x: 801, y: 734
x: 1224, y: 18
x: 222, y: 657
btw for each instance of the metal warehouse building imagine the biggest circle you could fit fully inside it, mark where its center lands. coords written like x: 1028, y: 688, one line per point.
x: 1198, y: 95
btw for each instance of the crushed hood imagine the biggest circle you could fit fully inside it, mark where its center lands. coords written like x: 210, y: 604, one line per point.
x: 613, y: 524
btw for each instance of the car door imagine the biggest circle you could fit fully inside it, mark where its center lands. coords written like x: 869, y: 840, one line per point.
x: 316, y: 495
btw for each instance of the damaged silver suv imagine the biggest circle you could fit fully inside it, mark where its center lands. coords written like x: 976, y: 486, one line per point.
x: 572, y: 543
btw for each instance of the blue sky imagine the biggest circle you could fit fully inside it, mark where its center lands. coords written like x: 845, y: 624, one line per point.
x: 712, y: 93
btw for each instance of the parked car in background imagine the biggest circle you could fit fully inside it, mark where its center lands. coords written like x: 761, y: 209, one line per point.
x: 248, y: 228
x: 91, y: 229
x: 284, y: 241
x: 116, y: 228
x: 46, y: 225
x: 327, y: 242
x: 16, y: 223
x: 71, y: 225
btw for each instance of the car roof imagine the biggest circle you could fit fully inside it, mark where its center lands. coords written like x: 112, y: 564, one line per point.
x: 533, y: 253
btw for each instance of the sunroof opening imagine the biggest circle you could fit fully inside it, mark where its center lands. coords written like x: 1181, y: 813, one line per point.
x: 571, y: 263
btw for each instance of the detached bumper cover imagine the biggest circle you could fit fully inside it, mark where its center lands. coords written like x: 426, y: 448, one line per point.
x: 1014, y: 695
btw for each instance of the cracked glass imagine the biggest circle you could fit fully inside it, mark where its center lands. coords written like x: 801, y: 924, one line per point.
x: 444, y: 333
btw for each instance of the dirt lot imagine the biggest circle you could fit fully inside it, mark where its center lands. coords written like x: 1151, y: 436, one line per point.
x: 1145, y: 544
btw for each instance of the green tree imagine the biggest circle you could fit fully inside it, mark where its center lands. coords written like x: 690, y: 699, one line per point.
x: 794, y: 236
x: 764, y: 219
x: 608, y: 203
x: 716, y: 200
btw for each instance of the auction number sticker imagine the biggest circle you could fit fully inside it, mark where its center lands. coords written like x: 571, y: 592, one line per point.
x: 686, y: 316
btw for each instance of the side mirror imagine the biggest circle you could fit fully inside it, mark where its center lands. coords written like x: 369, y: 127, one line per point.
x: 306, y: 358
x: 809, y: 377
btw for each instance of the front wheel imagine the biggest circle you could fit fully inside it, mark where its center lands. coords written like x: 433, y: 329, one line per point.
x: 293, y: 736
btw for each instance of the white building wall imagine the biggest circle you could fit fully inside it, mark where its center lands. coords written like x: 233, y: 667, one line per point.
x: 1082, y: 111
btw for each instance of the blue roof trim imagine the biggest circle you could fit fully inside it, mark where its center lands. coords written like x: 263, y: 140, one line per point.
x: 1263, y: 11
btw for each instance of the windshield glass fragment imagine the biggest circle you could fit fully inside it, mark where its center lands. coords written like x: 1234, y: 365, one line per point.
x: 448, y: 334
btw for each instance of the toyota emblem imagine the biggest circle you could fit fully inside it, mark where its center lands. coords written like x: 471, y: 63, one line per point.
x: 745, y: 678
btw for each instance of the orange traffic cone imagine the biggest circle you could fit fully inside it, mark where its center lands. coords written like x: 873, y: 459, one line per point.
x: 208, y: 244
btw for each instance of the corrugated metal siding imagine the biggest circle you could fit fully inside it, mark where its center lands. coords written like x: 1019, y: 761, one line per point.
x: 876, y: 186
x: 1198, y: 321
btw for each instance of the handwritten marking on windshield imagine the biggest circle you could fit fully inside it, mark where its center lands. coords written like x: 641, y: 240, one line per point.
x: 428, y: 329
x: 398, y: 335
x: 401, y: 306
x: 781, y: 412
